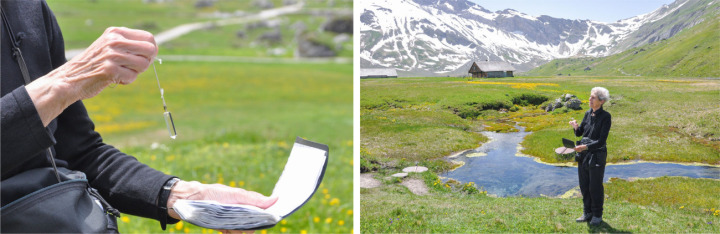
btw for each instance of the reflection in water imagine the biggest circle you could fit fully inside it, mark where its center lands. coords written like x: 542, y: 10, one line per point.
x: 503, y: 173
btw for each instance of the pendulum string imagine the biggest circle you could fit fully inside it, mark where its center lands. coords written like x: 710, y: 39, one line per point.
x: 168, y: 117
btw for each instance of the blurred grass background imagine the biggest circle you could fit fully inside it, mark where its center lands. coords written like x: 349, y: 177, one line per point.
x: 236, y: 121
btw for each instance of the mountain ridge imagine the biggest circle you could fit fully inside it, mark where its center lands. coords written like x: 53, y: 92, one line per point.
x: 440, y: 37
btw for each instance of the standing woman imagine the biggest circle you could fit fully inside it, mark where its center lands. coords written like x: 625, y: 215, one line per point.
x: 592, y: 155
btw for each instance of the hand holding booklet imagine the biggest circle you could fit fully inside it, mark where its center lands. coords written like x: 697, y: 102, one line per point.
x: 299, y: 180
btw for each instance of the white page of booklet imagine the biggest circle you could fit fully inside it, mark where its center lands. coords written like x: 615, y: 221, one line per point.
x: 299, y: 179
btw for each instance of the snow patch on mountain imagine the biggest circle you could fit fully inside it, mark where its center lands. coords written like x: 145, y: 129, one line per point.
x: 443, y: 35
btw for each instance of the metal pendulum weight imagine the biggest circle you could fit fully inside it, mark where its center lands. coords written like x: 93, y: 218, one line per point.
x: 168, y: 117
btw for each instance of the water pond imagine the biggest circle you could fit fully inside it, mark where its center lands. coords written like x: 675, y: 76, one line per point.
x: 497, y: 168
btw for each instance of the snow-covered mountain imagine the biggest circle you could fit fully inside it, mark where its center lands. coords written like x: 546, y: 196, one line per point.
x: 441, y: 37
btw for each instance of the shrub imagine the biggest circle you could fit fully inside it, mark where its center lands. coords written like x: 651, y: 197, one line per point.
x: 526, y: 99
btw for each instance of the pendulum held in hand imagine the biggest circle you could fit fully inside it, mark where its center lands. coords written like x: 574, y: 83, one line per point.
x: 168, y: 117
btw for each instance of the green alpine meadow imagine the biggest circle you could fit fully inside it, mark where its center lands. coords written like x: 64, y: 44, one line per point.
x: 665, y: 106
x: 237, y: 117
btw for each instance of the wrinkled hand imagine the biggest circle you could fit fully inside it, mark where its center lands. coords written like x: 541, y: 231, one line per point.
x: 224, y: 194
x: 574, y: 124
x: 118, y: 56
x: 580, y: 148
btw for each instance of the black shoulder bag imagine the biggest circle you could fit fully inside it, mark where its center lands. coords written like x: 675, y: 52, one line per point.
x: 51, y: 199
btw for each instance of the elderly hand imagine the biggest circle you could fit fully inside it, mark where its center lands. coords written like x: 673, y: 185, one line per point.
x: 580, y: 148
x: 224, y: 194
x: 118, y: 56
x: 574, y: 124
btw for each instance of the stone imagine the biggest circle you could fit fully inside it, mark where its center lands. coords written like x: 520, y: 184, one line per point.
x: 400, y: 175
x: 339, y: 25
x: 574, y: 104
x: 568, y: 96
x: 310, y: 48
x: 240, y: 34
x: 272, y: 37
x: 204, y: 3
x: 264, y: 4
x: 415, y: 169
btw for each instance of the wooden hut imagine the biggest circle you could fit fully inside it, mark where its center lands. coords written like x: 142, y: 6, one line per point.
x: 491, y: 69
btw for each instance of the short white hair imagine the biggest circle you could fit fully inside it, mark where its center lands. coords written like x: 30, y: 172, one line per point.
x: 601, y: 93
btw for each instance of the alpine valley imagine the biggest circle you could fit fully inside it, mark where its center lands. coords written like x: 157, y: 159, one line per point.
x: 443, y: 37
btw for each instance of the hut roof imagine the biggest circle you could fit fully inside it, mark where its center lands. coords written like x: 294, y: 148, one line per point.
x: 389, y: 72
x: 489, y: 66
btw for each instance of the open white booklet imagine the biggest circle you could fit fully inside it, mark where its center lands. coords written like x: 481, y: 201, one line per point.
x: 302, y: 175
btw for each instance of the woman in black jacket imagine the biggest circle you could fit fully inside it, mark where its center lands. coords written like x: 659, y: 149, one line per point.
x: 592, y: 155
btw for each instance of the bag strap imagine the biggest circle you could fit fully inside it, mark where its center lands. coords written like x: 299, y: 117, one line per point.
x: 16, y: 49
x: 26, y: 75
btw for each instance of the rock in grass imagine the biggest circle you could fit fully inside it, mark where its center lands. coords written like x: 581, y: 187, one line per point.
x: 400, y: 175
x: 415, y: 169
x: 574, y: 104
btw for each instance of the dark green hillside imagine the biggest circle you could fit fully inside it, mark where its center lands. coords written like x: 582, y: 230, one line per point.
x: 694, y: 52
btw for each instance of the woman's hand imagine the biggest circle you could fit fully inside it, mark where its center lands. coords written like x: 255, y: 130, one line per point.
x: 574, y: 124
x: 217, y: 192
x: 118, y: 56
x: 580, y: 148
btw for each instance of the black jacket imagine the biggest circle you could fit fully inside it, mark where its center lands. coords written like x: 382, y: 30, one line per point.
x: 125, y: 183
x: 596, y: 129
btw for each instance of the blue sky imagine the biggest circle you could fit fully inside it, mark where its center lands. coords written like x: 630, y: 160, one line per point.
x: 598, y: 10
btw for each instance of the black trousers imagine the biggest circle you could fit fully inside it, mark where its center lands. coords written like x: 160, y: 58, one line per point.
x: 591, y: 188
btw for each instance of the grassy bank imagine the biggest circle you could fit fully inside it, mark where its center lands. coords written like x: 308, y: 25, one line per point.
x: 82, y: 22
x: 394, y: 209
x: 658, y: 119
x: 236, y: 124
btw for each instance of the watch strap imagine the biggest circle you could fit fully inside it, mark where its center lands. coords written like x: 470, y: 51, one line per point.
x: 163, y: 199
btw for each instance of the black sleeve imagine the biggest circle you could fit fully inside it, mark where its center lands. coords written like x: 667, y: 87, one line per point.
x: 23, y: 134
x: 127, y: 184
x: 55, y: 38
x: 604, y: 133
x: 581, y: 128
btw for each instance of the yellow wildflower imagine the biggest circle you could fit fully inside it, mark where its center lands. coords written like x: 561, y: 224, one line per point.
x: 334, y: 201
x: 325, y: 191
x: 327, y: 196
x: 283, y: 229
x: 303, y: 231
x: 241, y: 183
x: 283, y: 222
x: 178, y: 226
x: 170, y: 158
x: 682, y: 207
x: 125, y: 219
x: 225, y: 145
x: 341, y: 222
x: 316, y: 219
x: 350, y: 212
x: 187, y: 230
x: 328, y: 220
x: 264, y: 231
x: 232, y: 184
x: 153, y: 157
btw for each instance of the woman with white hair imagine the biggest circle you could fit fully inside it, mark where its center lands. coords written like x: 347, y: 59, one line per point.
x: 592, y: 154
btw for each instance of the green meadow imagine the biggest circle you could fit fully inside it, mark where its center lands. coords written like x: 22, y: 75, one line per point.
x: 408, y: 121
x: 236, y: 122
x: 84, y: 21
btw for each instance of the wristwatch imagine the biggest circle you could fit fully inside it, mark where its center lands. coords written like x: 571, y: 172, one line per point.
x: 163, y: 199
